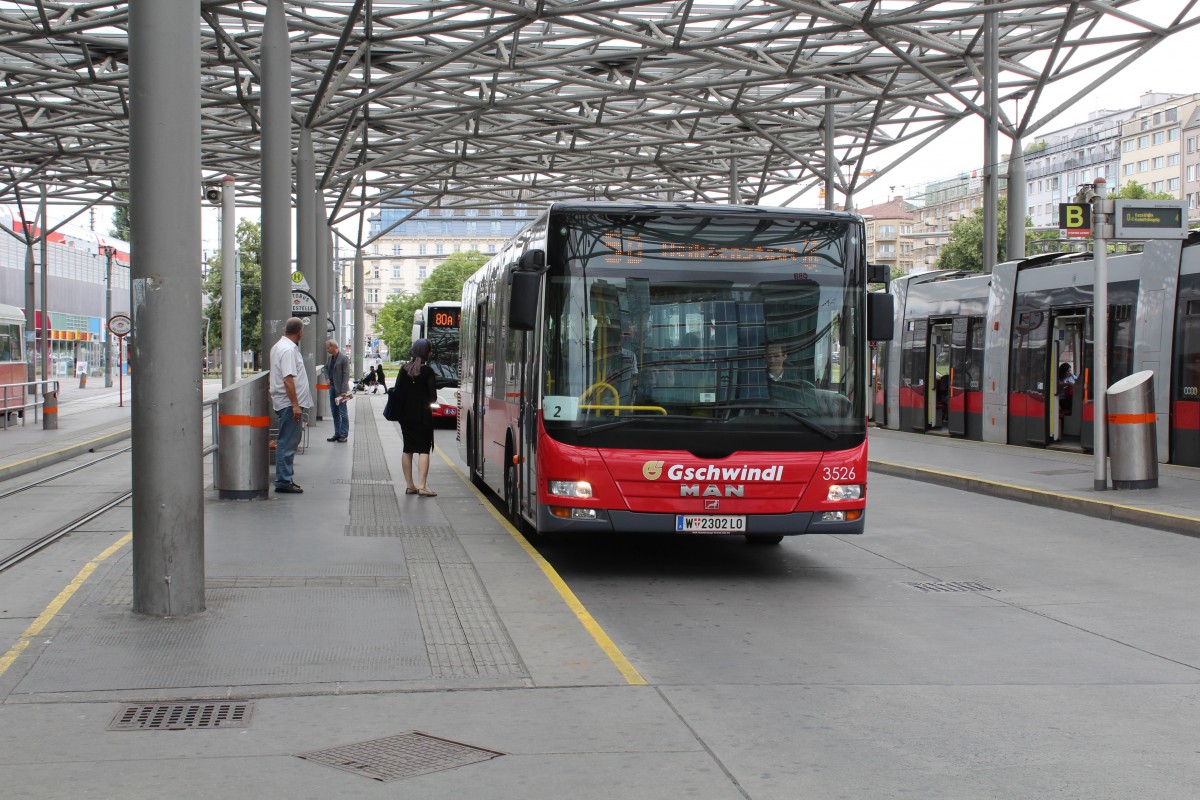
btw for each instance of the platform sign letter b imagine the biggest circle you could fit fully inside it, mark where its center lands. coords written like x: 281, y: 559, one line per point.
x: 1075, y: 219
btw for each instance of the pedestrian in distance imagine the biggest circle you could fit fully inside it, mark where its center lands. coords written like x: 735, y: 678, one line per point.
x: 379, y: 378
x: 290, y: 396
x: 417, y: 387
x: 337, y: 369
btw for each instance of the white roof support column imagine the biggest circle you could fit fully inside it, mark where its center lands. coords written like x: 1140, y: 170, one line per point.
x: 1015, y: 241
x: 168, y: 501
x: 312, y: 346
x: 991, y: 144
x: 276, y: 155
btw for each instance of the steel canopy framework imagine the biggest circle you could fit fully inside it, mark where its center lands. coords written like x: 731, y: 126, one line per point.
x: 419, y: 104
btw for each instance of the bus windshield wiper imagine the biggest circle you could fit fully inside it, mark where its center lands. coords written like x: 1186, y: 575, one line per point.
x: 617, y: 423
x: 803, y: 419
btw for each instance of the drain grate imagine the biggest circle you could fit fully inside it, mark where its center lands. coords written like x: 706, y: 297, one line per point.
x: 181, y: 716
x: 952, y: 586
x: 404, y: 755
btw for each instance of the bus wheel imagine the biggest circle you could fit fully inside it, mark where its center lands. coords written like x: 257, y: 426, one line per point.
x: 763, y: 538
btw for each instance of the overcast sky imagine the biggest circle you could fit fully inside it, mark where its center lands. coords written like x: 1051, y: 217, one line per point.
x: 1163, y: 70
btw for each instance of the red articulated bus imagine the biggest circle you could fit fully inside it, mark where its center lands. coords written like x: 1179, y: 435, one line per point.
x: 690, y: 369
x: 12, y: 360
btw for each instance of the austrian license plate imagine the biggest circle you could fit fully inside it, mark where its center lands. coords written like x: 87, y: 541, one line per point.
x: 709, y: 523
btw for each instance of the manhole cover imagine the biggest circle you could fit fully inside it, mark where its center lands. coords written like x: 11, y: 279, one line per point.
x: 404, y: 755
x: 952, y: 586
x: 181, y: 716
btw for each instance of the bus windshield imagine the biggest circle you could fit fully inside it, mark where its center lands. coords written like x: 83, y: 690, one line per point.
x: 745, y: 329
x: 442, y: 331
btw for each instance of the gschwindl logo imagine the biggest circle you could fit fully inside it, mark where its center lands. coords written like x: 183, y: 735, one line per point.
x: 652, y: 470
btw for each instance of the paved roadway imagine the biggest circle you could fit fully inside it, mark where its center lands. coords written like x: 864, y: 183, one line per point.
x: 815, y: 669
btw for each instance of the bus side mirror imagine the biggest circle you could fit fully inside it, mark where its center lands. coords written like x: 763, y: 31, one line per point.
x: 523, y: 299
x: 881, y: 308
x: 532, y: 260
x: 878, y: 273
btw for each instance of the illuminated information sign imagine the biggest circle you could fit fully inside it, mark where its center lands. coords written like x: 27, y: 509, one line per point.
x: 1151, y: 219
x: 444, y: 317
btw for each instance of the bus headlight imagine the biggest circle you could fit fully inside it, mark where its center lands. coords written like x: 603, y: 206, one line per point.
x: 845, y: 491
x: 570, y: 488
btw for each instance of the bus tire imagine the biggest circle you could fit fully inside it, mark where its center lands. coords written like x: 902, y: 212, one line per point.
x: 764, y: 538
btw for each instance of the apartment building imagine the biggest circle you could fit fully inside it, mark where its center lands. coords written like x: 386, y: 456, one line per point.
x: 1059, y: 162
x: 407, y: 247
x: 889, y: 234
x: 1191, y: 164
x: 1152, y: 146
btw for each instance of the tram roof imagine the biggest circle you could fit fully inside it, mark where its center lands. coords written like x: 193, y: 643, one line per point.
x: 416, y: 105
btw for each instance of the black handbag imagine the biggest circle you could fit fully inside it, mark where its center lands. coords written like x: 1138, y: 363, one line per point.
x: 391, y: 409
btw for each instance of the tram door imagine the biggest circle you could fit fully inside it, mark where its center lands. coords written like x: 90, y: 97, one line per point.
x: 937, y: 397
x: 1065, y: 407
x: 966, y: 374
x: 1029, y: 379
x: 1185, y: 389
x: 914, y: 375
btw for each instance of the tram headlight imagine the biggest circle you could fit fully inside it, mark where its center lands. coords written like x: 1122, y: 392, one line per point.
x: 845, y: 491
x: 575, y: 489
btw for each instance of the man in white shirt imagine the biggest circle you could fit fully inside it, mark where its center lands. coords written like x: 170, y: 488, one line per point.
x: 290, y: 395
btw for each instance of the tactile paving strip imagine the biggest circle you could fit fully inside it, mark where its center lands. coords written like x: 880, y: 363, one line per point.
x: 404, y: 755
x: 464, y: 637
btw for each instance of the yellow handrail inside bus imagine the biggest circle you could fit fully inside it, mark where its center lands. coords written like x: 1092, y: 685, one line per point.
x: 600, y: 385
x: 618, y: 408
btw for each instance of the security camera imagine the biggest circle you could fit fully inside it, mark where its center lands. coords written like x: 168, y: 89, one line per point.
x: 212, y: 193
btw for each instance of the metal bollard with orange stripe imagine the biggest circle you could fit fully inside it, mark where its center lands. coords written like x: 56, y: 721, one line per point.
x: 243, y: 435
x: 1132, y: 432
x: 50, y: 411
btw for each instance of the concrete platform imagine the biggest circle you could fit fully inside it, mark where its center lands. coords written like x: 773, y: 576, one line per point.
x: 354, y: 612
x: 1051, y: 478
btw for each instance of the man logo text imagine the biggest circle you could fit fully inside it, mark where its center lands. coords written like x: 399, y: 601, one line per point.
x: 711, y: 490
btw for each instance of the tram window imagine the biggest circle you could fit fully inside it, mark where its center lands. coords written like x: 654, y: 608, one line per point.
x: 1120, y: 337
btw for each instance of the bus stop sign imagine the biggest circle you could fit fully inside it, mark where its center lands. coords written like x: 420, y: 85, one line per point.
x: 303, y: 304
x: 1075, y: 219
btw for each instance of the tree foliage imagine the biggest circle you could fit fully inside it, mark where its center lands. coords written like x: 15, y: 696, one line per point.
x: 964, y: 250
x: 394, y: 321
x: 120, y: 219
x: 249, y: 243
x: 1135, y: 191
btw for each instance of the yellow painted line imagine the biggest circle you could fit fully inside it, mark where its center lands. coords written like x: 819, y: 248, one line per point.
x: 1097, y: 503
x: 63, y: 450
x: 57, y: 603
x: 630, y: 673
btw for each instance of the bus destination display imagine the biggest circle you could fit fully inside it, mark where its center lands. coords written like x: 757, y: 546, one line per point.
x: 444, y: 317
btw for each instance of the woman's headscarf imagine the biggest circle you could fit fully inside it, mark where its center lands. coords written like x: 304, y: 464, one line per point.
x: 419, y: 354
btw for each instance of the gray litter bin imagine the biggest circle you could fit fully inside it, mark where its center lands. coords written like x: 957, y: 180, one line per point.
x: 1132, y: 439
x: 244, y: 411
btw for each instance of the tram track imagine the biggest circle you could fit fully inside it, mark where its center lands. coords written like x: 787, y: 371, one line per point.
x: 35, y: 543
x: 45, y: 541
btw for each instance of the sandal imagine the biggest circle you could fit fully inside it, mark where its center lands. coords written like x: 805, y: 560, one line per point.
x: 426, y: 493
x: 411, y: 491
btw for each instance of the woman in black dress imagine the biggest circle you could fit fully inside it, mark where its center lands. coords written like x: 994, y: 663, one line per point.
x: 417, y: 389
